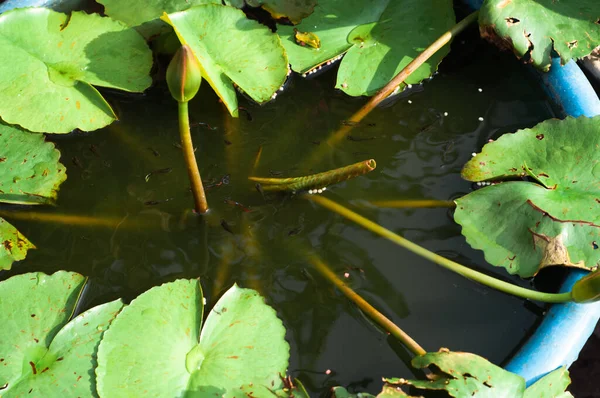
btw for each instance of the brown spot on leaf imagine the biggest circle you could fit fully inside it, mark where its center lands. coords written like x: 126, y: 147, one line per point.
x: 2, y: 160
x: 33, y: 369
x: 489, y: 33
x: 8, y: 245
x: 572, y: 44
x: 77, y: 104
x: 540, y: 136
x: 233, y: 357
x: 510, y: 21
x: 554, y: 251
x: 504, y: 3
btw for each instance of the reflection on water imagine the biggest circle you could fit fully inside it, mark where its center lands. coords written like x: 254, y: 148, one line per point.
x: 420, y: 143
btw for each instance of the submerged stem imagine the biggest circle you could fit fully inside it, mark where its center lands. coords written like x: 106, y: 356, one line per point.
x: 393, y: 84
x: 367, y: 308
x: 401, y: 204
x: 316, y: 181
x: 442, y: 261
x: 190, y: 159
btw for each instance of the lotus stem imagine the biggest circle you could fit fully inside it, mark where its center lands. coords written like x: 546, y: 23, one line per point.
x: 200, y: 203
x: 401, y: 204
x: 316, y: 181
x: 393, y: 84
x: 439, y: 260
x: 367, y: 308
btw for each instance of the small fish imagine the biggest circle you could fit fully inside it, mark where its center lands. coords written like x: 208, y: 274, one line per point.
x: 260, y: 190
x: 307, y: 39
x: 159, y: 171
x: 247, y: 112
x: 205, y: 125
x: 77, y: 162
x: 223, y: 181
x: 295, y: 231
x: 359, y: 139
x: 154, y: 152
x: 237, y: 204
x: 156, y: 202
x: 178, y: 146
x: 226, y: 226
x: 94, y: 150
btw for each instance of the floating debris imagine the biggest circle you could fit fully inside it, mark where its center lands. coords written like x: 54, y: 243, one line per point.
x: 307, y: 39
x: 317, y: 181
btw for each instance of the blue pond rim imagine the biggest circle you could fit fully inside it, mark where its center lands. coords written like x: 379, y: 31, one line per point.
x: 565, y: 329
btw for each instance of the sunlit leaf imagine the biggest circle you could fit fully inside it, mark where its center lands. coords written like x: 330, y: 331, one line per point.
x: 525, y: 226
x: 31, y: 171
x: 553, y: 385
x: 388, y: 391
x: 157, y: 337
x: 252, y: 57
x: 13, y: 245
x: 40, y: 353
x: 145, y: 14
x: 465, y: 375
x: 379, y: 40
x: 50, y: 63
x: 535, y: 28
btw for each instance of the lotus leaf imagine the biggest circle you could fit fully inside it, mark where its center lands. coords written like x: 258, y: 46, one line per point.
x: 43, y: 355
x: 535, y: 28
x: 31, y: 171
x: 157, y: 337
x: 553, y: 385
x: 14, y: 245
x: 145, y: 14
x: 387, y: 392
x: 525, y: 226
x: 466, y: 375
x: 252, y: 57
x: 50, y: 63
x: 379, y: 40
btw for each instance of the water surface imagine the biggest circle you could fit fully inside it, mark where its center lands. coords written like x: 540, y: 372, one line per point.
x: 420, y: 142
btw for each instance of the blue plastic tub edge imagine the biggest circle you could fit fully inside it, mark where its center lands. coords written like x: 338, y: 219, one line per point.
x: 566, y: 327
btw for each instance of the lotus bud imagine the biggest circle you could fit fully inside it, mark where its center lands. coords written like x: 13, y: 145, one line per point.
x: 587, y: 289
x: 183, y: 75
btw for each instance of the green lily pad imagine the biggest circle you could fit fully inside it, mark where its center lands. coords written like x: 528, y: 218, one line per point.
x: 465, y: 375
x: 55, y: 60
x: 379, y: 40
x: 252, y: 57
x: 553, y: 385
x: 534, y: 28
x: 31, y: 170
x: 13, y: 245
x: 157, y: 337
x: 40, y: 353
x: 525, y: 226
x: 145, y: 14
x: 387, y: 392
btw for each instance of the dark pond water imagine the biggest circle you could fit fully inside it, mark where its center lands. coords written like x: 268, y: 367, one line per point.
x: 420, y: 143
